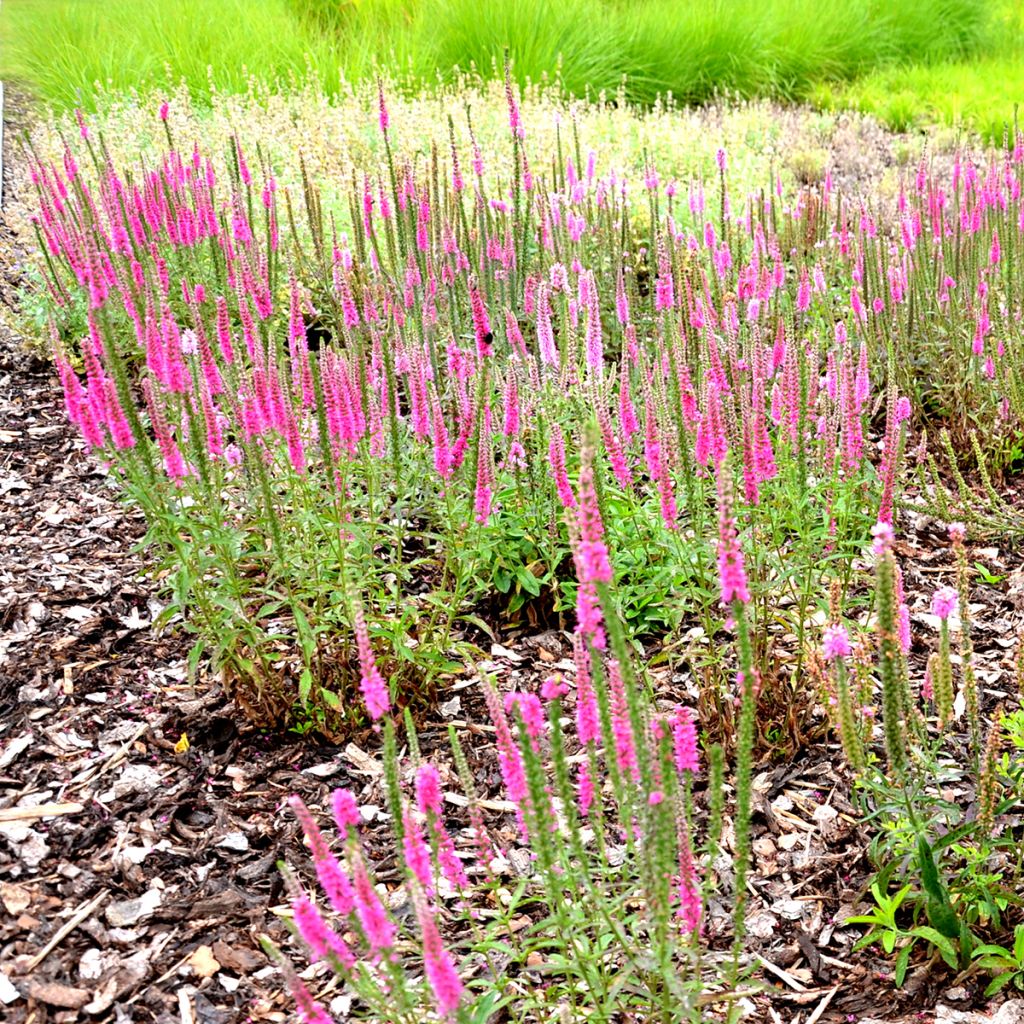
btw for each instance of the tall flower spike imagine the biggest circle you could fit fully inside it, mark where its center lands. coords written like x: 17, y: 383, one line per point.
x: 684, y: 736
x: 382, y: 109
x: 372, y: 685
x: 335, y: 883
x: 731, y: 570
x: 377, y: 926
x: 441, y: 975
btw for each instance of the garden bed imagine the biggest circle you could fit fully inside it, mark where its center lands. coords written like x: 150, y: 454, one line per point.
x: 170, y: 820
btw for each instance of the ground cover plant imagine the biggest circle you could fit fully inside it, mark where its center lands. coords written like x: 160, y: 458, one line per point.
x: 371, y: 423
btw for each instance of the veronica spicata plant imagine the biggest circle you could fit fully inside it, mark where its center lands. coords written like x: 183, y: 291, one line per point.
x: 617, y: 877
x: 369, y: 401
x: 954, y: 861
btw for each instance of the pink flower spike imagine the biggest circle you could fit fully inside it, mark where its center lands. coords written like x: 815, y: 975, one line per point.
x: 835, y: 643
x: 429, y: 797
x: 441, y: 975
x: 377, y: 926
x: 322, y: 941
x: 883, y: 538
x: 731, y: 570
x: 944, y: 602
x: 684, y: 737
x: 554, y: 688
x: 346, y: 810
x: 372, y: 685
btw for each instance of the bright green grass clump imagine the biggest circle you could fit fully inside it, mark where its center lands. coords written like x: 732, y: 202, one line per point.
x: 982, y: 93
x: 692, y: 50
x: 64, y: 48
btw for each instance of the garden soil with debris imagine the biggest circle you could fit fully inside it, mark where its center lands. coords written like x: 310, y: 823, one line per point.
x: 141, y: 820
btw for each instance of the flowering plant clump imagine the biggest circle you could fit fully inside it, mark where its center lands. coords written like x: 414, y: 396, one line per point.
x: 617, y: 879
x: 961, y: 872
x: 317, y: 415
x: 376, y: 411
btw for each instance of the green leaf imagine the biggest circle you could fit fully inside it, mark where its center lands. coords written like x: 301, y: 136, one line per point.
x: 938, y: 908
x: 1000, y: 982
x: 306, y: 638
x: 990, y: 950
x: 193, y: 658
x: 475, y: 620
x: 939, y: 941
x: 901, y: 964
x: 528, y: 581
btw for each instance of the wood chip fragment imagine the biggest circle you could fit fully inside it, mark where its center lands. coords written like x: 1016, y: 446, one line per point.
x: 39, y: 811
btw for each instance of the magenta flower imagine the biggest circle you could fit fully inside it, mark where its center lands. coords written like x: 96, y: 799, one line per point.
x: 417, y: 852
x: 556, y: 457
x: 944, y: 602
x: 588, y: 727
x: 429, y: 797
x: 346, y: 810
x: 731, y: 570
x: 529, y: 707
x: 333, y: 880
x: 554, y: 688
x: 592, y: 556
x: 372, y: 685
x: 684, y: 738
x: 510, y: 761
x: 481, y: 322
x: 584, y: 789
x: 835, y: 642
x: 622, y: 728
x: 377, y: 926
x: 310, y: 1011
x: 441, y: 975
x: 322, y: 941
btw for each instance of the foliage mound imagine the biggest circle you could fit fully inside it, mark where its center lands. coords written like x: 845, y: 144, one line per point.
x: 693, y: 51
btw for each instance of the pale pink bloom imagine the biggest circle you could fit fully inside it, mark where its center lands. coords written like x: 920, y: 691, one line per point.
x: 944, y: 602
x: 835, y: 642
x: 883, y: 538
